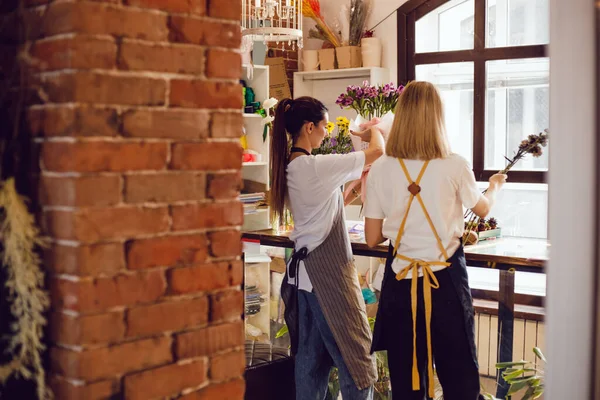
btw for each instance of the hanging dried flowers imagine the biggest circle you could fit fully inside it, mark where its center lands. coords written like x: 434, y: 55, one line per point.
x: 532, y: 145
x: 24, y: 284
x: 312, y: 9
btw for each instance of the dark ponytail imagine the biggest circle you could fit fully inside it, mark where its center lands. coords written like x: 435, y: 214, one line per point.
x: 290, y: 117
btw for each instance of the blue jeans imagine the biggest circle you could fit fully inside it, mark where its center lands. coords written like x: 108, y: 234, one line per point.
x: 317, y: 353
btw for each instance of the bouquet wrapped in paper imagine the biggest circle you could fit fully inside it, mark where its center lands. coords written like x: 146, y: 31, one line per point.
x: 375, y: 107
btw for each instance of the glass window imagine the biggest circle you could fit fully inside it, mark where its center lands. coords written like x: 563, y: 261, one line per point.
x: 455, y: 83
x: 449, y: 27
x: 517, y: 22
x: 517, y: 106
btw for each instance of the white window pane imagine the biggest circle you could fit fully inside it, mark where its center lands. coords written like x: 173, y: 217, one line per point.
x: 455, y: 83
x: 521, y: 209
x: 517, y: 22
x: 449, y: 27
x: 517, y: 106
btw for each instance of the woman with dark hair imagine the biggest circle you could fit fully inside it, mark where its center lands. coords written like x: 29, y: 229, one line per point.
x: 325, y: 311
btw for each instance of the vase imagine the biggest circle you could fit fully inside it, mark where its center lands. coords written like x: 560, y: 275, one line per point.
x: 371, y: 52
x: 348, y: 57
x: 326, y: 59
x: 310, y: 59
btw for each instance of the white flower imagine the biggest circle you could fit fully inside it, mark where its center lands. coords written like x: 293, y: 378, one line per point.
x: 267, y: 120
x: 269, y: 103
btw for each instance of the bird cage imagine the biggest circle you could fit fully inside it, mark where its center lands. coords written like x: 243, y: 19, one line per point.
x: 272, y: 21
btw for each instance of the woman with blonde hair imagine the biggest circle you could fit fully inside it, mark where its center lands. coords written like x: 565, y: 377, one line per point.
x: 415, y: 198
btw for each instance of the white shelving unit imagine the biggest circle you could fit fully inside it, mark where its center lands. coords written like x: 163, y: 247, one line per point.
x: 328, y: 85
x: 256, y: 175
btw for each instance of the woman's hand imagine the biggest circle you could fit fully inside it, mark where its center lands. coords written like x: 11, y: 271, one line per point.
x: 365, y: 135
x: 498, y: 180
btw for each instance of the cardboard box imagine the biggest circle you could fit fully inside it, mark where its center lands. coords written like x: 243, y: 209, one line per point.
x: 278, y: 82
x: 327, y: 59
x: 348, y: 57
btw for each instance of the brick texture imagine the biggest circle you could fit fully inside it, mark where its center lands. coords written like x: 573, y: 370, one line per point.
x: 103, y: 156
x: 176, y: 59
x: 107, y: 293
x: 201, y: 216
x: 171, y: 316
x: 165, y: 381
x: 210, y: 340
x: 167, y: 251
x: 205, y: 94
x: 206, y: 156
x: 99, y: 363
x: 164, y: 187
x: 232, y: 390
x: 73, y: 121
x: 168, y: 124
x: 135, y: 115
x: 200, y: 278
x: 86, y: 260
x: 92, y: 329
x: 76, y: 52
x: 228, y: 365
x: 177, y: 6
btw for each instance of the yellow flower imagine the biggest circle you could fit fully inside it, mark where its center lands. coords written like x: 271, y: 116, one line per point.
x: 342, y: 120
x: 329, y: 127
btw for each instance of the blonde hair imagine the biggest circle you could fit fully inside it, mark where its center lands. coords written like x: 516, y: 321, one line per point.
x: 418, y: 131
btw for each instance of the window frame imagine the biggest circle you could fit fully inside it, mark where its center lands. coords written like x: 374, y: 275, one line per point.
x: 408, y: 59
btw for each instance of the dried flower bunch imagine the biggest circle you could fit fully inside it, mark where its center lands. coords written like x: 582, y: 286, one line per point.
x: 312, y: 9
x: 532, y: 145
x: 370, y: 101
x: 338, y: 144
x: 24, y: 284
x: 359, y: 14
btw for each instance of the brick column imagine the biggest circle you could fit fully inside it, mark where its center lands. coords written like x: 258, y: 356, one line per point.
x: 140, y: 166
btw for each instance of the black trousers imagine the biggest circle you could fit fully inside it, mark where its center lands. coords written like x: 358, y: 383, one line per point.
x: 453, y: 361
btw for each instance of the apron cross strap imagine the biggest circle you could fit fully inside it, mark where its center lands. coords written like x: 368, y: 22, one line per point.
x: 429, y: 279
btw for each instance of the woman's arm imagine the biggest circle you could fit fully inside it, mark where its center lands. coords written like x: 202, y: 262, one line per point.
x: 376, y: 144
x: 486, y: 202
x: 374, y: 231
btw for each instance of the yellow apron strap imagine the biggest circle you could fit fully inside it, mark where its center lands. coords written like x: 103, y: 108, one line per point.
x: 429, y: 280
x: 410, y: 199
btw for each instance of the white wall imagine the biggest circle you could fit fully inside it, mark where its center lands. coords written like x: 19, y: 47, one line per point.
x: 386, y: 31
x: 572, y: 182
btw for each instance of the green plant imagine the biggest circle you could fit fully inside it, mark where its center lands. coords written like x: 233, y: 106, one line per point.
x: 523, y: 375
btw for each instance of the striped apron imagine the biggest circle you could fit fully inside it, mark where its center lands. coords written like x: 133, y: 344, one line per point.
x: 334, y: 277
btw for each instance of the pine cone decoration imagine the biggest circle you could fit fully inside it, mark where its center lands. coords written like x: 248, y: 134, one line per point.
x: 481, y: 226
x: 493, y: 223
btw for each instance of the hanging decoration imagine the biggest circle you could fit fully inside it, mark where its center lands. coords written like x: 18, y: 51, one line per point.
x: 24, y: 284
x: 272, y: 21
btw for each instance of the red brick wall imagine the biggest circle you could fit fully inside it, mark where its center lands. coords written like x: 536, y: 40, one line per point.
x: 140, y: 166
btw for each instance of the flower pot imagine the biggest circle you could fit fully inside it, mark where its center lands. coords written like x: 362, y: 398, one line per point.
x: 371, y: 52
x: 348, y: 57
x: 327, y: 59
x: 310, y: 59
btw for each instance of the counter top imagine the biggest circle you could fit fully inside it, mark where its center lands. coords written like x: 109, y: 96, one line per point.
x: 522, y: 254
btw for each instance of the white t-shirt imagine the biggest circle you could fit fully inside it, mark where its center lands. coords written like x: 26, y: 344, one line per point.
x: 314, y: 184
x: 447, y: 185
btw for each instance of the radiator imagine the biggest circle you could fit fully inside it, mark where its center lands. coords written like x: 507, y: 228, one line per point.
x: 527, y: 335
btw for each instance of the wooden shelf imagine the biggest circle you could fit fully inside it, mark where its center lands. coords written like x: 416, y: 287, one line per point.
x: 347, y: 73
